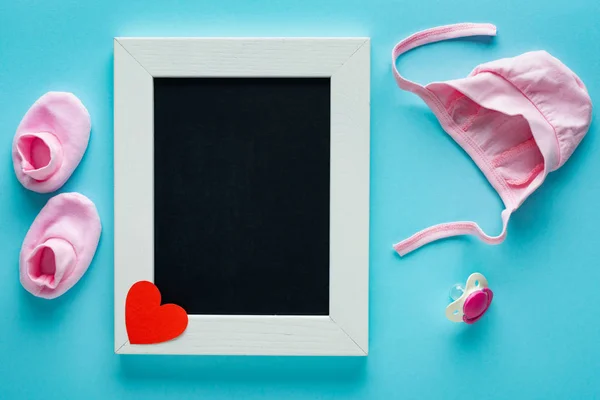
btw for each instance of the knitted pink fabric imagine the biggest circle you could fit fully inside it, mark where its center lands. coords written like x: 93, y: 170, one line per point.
x: 518, y: 118
x: 50, y: 141
x: 60, y: 245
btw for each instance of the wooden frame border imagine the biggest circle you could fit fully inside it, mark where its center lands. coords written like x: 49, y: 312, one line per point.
x: 347, y: 62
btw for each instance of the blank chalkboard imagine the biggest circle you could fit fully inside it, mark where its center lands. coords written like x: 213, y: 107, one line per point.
x: 241, y: 194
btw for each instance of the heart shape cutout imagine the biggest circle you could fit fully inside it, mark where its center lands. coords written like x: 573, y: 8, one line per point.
x: 147, y: 321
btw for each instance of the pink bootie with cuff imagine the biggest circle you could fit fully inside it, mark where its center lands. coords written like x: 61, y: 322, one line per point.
x: 60, y: 245
x: 50, y: 141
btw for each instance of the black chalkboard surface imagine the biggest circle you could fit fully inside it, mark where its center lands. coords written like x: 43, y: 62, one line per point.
x: 241, y: 194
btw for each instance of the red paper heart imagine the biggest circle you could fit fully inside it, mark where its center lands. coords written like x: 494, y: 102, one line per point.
x: 147, y: 321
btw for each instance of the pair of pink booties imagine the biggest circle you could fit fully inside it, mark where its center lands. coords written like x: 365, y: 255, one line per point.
x: 62, y: 240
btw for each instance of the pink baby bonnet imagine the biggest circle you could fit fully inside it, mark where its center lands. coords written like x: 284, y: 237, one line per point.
x: 518, y: 119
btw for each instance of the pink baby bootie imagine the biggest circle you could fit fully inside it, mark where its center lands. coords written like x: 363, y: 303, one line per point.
x: 50, y: 141
x: 60, y: 245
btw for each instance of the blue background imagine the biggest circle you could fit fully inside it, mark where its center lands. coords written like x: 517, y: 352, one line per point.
x: 540, y: 339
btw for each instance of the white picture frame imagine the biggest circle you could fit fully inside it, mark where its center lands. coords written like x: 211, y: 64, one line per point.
x: 346, y: 61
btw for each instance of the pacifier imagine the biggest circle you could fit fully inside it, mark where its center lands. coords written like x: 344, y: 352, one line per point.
x: 471, y: 302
